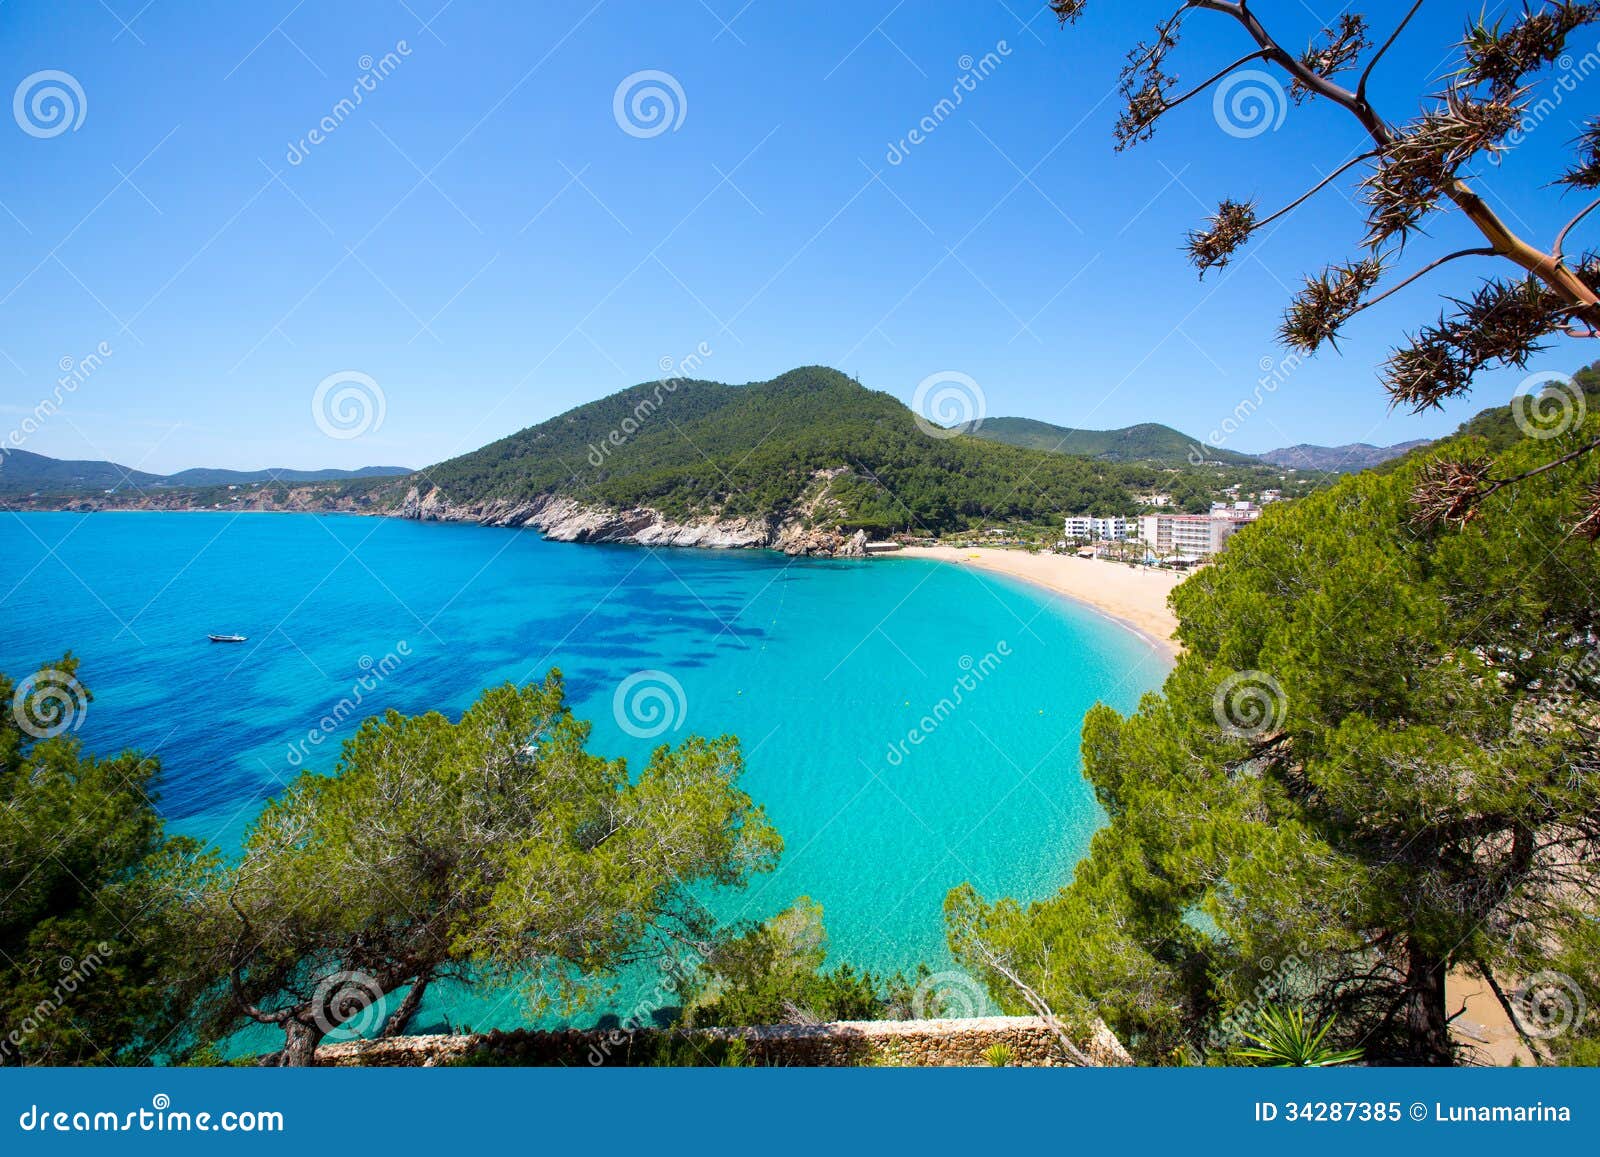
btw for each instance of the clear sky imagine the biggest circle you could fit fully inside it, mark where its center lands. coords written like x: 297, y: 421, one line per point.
x: 485, y: 241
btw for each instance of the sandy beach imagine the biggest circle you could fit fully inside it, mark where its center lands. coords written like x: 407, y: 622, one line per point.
x: 1136, y: 596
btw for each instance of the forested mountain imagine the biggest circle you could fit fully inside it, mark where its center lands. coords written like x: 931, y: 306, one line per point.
x: 24, y: 472
x: 811, y: 446
x: 1498, y: 425
x: 811, y: 435
x: 1146, y: 442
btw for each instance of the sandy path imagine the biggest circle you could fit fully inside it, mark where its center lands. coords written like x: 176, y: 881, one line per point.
x: 1136, y: 596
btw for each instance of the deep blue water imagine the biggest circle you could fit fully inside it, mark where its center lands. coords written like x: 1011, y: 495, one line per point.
x: 820, y: 667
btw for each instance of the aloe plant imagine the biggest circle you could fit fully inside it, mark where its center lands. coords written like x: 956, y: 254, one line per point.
x: 1284, y: 1038
x: 1000, y: 1055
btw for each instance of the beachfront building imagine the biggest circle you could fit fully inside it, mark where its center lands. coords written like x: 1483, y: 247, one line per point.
x: 1093, y: 528
x: 1196, y: 535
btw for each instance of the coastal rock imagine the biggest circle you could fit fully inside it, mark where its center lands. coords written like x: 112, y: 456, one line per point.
x: 565, y: 519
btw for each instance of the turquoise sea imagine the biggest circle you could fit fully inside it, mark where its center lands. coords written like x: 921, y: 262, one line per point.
x: 822, y: 668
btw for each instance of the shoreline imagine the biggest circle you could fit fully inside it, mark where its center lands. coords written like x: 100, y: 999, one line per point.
x: 1135, y: 597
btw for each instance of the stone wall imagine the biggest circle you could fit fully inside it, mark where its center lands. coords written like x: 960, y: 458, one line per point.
x: 925, y: 1043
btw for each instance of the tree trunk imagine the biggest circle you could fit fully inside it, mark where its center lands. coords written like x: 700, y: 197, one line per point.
x: 300, y: 1043
x: 401, y: 1016
x: 1427, y: 1027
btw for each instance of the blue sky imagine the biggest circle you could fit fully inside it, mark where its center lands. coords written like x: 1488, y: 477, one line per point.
x: 484, y: 241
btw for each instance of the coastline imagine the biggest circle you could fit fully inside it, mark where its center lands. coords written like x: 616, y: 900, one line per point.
x: 1136, y: 597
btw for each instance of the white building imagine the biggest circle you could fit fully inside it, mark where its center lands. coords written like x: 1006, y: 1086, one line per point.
x: 1196, y: 535
x: 1114, y: 528
x: 1153, y: 499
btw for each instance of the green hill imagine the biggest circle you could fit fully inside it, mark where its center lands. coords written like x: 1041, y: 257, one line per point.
x: 1146, y: 442
x: 22, y: 472
x: 1498, y: 425
x: 811, y: 439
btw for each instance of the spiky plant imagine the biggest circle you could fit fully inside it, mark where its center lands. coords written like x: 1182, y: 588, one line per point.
x: 999, y: 1055
x: 1413, y: 170
x: 1285, y: 1038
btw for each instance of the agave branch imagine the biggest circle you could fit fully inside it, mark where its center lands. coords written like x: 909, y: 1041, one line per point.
x: 1418, y: 168
x: 1561, y: 237
x: 1366, y: 73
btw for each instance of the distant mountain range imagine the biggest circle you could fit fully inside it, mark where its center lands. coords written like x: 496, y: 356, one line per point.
x: 1146, y: 442
x: 1157, y: 444
x: 1339, y: 459
x: 24, y: 472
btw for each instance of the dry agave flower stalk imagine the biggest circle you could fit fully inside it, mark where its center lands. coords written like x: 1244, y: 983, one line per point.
x: 1414, y: 169
x: 1450, y: 491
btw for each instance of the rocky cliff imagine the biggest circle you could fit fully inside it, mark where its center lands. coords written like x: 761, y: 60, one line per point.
x: 565, y: 519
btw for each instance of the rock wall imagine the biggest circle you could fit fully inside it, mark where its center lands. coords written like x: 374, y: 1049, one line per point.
x: 568, y: 520
x: 913, y: 1043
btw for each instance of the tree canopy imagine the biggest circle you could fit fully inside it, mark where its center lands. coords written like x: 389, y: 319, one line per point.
x: 1375, y: 765
x: 82, y: 937
x: 496, y: 846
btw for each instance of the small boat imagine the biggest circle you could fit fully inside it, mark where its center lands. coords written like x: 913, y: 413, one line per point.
x: 226, y: 638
